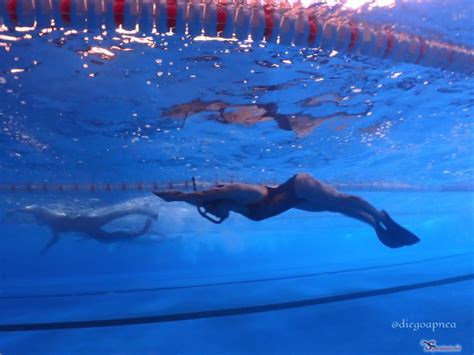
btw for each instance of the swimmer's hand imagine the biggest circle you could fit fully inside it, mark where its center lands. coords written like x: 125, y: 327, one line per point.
x: 170, y: 195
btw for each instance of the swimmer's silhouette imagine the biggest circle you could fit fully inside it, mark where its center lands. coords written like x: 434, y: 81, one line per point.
x: 430, y: 345
x: 248, y: 115
x: 302, y: 192
x: 89, y: 224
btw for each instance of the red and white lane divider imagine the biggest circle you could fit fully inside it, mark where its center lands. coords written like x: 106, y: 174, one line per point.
x: 190, y: 185
x: 267, y: 20
x: 98, y: 187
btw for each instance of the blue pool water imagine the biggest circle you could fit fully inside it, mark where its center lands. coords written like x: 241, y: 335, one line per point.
x: 83, y: 109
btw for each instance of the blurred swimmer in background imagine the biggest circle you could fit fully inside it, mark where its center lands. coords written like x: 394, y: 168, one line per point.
x: 89, y: 224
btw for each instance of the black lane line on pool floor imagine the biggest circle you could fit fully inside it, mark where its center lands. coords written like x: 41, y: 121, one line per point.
x: 225, y: 283
x: 225, y: 312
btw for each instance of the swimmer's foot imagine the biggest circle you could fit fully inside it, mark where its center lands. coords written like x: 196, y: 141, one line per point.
x: 153, y: 216
x: 146, y: 227
x: 146, y: 212
x: 393, y: 235
x: 54, y: 239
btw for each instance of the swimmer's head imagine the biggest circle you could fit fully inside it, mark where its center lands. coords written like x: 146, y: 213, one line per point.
x: 37, y: 212
x: 31, y: 208
x: 23, y: 215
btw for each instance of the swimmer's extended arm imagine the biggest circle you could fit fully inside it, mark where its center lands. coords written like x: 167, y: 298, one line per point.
x: 110, y: 237
x: 239, y: 193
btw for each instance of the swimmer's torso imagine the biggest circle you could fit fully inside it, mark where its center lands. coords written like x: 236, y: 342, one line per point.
x: 63, y: 223
x: 277, y: 200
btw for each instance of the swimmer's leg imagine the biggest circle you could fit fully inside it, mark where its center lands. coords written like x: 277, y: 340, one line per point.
x: 351, y: 202
x: 54, y: 239
x: 312, y: 190
x: 322, y: 197
x: 145, y: 229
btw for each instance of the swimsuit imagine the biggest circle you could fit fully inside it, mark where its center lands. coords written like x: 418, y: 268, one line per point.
x: 278, y: 200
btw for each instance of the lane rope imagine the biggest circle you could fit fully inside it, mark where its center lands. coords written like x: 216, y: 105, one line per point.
x: 187, y: 185
x: 235, y: 311
x: 227, y: 283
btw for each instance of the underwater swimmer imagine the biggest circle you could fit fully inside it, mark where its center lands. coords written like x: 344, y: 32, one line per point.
x: 302, y: 192
x: 89, y: 224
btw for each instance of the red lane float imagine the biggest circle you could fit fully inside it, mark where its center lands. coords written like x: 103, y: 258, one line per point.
x: 119, y: 12
x: 65, y: 6
x: 12, y: 11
